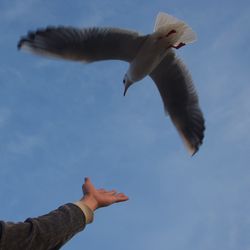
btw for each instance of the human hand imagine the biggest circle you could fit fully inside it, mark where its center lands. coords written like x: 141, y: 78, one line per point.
x: 96, y: 198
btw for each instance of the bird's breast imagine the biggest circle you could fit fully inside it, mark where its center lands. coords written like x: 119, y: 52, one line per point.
x: 148, y: 57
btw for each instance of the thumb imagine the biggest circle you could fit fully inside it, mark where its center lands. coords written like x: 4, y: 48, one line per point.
x: 88, y: 187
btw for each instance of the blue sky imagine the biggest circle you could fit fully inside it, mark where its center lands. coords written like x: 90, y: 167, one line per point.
x: 61, y: 121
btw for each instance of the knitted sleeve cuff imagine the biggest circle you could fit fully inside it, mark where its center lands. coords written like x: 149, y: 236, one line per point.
x: 89, y: 214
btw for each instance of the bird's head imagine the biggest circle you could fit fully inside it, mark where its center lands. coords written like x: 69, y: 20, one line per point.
x: 127, y: 83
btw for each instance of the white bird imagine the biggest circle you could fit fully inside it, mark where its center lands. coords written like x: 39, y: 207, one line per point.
x: 146, y: 54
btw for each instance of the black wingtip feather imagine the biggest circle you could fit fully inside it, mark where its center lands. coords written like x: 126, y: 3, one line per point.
x: 29, y: 37
x: 19, y: 45
x: 21, y: 42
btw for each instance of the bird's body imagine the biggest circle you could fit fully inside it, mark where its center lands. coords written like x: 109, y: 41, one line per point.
x: 148, y: 55
x: 153, y: 50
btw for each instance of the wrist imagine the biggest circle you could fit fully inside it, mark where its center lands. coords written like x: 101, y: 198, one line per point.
x: 88, y: 212
x: 91, y: 203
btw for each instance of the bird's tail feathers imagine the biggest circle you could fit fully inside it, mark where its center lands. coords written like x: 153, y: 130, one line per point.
x: 167, y: 24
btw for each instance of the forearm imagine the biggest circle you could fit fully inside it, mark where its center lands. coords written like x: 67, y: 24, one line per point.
x: 49, y: 231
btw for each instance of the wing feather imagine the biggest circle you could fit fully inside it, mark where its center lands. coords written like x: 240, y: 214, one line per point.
x: 180, y: 100
x: 87, y: 44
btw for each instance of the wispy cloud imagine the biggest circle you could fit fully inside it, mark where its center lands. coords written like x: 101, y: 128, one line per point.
x: 237, y: 117
x: 235, y: 32
x: 16, y: 10
x: 24, y: 144
x: 5, y: 114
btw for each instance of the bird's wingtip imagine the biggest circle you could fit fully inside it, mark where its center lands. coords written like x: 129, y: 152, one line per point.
x: 19, y: 45
x: 194, y: 152
x: 192, y: 147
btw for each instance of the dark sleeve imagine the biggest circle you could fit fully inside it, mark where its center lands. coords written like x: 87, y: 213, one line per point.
x: 47, y: 232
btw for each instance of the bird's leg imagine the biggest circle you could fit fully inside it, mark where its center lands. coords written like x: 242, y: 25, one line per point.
x: 179, y: 45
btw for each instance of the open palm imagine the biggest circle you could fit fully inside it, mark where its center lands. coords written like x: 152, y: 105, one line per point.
x: 97, y: 198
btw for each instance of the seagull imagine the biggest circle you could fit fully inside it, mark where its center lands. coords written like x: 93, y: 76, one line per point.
x: 148, y: 55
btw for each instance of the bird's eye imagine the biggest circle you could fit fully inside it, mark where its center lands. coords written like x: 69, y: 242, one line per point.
x: 124, y: 81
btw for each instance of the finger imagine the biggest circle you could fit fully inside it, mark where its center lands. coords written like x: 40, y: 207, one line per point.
x: 88, y: 187
x: 104, y: 191
x: 101, y: 190
x: 111, y: 192
x: 121, y: 197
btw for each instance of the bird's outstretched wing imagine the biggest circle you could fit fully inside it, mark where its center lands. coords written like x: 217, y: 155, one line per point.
x: 180, y: 100
x: 89, y: 44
